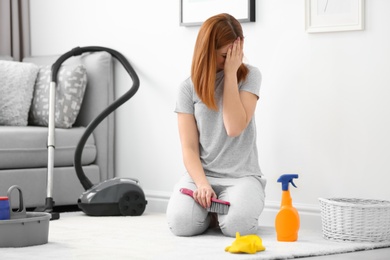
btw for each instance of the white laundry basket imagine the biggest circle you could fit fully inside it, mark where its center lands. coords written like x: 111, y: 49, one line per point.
x: 351, y: 219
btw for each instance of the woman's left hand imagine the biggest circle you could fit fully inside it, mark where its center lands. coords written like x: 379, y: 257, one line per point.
x: 234, y: 56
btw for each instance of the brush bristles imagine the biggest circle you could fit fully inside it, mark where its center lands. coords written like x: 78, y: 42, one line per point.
x: 218, y: 208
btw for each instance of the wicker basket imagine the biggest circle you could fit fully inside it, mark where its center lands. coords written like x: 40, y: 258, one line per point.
x: 360, y: 220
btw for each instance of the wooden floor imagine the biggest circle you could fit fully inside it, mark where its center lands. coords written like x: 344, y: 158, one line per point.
x: 376, y: 254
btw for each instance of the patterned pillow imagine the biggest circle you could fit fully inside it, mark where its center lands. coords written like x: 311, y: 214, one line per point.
x: 71, y: 83
x: 16, y: 90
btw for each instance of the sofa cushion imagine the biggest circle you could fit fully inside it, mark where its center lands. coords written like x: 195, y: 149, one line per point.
x: 16, y: 90
x: 71, y: 83
x: 26, y: 147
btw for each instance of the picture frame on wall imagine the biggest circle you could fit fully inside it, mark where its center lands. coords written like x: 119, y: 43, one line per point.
x: 195, y: 12
x: 334, y: 15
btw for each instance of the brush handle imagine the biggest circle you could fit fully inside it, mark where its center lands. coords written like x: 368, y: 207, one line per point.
x: 227, y: 203
x: 187, y: 192
x: 191, y: 194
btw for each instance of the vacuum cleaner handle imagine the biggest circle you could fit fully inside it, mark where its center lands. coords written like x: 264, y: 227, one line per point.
x: 85, y: 182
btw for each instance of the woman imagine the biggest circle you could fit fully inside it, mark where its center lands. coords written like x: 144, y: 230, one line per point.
x: 215, y: 109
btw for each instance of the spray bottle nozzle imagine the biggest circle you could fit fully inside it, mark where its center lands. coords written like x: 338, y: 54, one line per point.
x: 285, y: 179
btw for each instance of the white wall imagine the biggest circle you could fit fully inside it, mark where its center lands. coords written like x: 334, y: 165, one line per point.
x: 324, y: 110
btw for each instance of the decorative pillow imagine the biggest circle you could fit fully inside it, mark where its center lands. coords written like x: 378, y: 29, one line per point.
x: 16, y: 90
x: 71, y: 83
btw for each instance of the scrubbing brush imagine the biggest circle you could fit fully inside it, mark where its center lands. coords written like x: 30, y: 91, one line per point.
x: 217, y: 206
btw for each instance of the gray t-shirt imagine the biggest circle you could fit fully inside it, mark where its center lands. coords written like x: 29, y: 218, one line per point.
x: 221, y: 155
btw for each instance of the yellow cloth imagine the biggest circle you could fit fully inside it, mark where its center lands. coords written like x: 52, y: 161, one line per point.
x: 249, y: 244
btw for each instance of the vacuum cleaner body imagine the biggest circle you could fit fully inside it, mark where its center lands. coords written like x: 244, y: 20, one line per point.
x: 114, y: 197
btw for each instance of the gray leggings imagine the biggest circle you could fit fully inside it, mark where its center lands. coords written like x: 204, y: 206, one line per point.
x: 245, y: 194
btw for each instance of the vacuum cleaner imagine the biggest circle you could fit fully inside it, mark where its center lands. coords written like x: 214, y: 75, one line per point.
x: 113, y: 197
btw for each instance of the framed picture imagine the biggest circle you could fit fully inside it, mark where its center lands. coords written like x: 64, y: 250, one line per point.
x: 334, y: 15
x: 195, y: 12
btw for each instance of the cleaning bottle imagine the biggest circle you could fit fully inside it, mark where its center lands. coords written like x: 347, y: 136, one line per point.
x: 4, y: 208
x: 287, y: 220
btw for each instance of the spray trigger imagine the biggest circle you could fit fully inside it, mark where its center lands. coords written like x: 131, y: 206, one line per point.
x: 293, y: 184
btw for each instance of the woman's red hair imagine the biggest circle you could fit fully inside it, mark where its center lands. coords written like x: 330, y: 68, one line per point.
x: 215, y: 33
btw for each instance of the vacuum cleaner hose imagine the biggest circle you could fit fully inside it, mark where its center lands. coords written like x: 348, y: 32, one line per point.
x: 85, y: 182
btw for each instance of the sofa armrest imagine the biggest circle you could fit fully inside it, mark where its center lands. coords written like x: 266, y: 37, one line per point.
x: 98, y: 95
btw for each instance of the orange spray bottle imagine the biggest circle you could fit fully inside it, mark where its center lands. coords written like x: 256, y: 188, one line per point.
x: 287, y: 220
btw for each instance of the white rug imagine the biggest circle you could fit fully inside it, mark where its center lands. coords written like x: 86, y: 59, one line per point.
x: 77, y: 236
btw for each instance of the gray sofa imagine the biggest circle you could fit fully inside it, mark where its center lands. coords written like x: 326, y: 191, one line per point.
x: 23, y: 151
